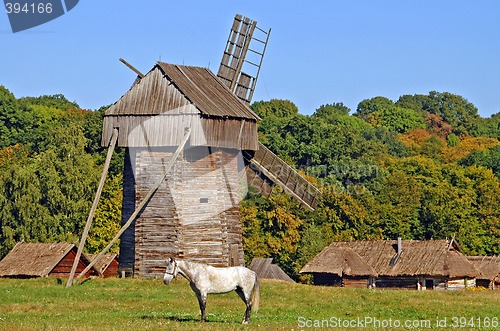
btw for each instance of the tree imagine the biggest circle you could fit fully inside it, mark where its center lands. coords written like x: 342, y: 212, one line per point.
x: 107, y: 220
x: 373, y: 105
x: 380, y: 111
x: 15, y: 123
x: 332, y: 111
x: 489, y: 127
x: 488, y: 158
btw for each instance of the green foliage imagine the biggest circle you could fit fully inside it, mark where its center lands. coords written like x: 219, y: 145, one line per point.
x: 107, y: 219
x: 489, y: 127
x: 489, y: 158
x: 15, y: 122
x: 56, y: 101
x: 47, y: 197
x: 271, y: 228
x: 47, y: 175
x: 380, y: 111
x: 453, y: 109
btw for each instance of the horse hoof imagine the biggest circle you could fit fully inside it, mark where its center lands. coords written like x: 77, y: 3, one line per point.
x: 244, y: 322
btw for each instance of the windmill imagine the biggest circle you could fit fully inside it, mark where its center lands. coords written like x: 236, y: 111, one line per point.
x: 190, y: 139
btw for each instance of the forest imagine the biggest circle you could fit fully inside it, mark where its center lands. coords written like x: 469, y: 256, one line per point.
x: 421, y: 167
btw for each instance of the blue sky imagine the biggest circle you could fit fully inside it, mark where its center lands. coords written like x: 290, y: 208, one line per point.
x: 319, y: 51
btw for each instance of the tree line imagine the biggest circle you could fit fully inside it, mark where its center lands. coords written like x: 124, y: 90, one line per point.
x: 421, y: 167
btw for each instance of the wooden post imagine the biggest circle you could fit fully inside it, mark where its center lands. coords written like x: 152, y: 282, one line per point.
x: 131, y: 67
x: 85, y: 233
x: 140, y: 206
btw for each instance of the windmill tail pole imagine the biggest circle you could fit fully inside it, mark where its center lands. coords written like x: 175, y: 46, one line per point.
x: 85, y: 233
x: 140, y: 206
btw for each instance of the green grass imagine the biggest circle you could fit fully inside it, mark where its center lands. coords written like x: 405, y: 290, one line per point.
x: 147, y: 304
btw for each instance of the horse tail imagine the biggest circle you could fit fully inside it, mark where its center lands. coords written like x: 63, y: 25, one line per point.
x: 256, y: 295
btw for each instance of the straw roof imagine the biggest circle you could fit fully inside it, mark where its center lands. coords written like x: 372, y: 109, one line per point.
x: 33, y: 259
x: 418, y: 257
x: 488, y: 266
x: 264, y: 268
x: 339, y: 261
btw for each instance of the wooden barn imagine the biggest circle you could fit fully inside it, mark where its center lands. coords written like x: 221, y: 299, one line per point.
x: 340, y: 266
x: 408, y: 264
x: 29, y: 260
x: 264, y: 268
x: 489, y: 267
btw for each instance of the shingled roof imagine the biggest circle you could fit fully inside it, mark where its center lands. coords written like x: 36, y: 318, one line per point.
x: 158, y: 107
x: 199, y: 85
x: 418, y: 257
x: 35, y: 259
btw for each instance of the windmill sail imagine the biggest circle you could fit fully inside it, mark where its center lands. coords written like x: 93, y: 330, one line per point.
x: 265, y: 170
x: 237, y: 71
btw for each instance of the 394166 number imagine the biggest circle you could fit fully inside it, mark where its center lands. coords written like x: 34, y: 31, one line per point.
x: 17, y: 8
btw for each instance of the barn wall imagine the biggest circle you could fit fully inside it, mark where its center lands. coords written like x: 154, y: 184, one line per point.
x: 356, y: 282
x: 111, y: 270
x: 193, y: 215
x: 460, y: 283
x: 328, y: 279
x: 397, y: 282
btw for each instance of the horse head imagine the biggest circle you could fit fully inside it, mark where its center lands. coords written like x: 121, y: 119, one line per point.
x: 170, y: 271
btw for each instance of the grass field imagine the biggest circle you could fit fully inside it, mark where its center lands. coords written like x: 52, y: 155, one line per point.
x: 147, y: 304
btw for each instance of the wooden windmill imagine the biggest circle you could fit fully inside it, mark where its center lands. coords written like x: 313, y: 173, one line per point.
x: 190, y: 139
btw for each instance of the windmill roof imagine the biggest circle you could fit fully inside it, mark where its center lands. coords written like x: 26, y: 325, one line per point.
x: 199, y: 85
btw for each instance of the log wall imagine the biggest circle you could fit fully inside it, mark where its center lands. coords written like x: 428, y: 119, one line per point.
x: 194, y: 214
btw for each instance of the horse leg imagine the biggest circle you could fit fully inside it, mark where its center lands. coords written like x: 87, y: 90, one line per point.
x: 248, y: 304
x: 202, y: 301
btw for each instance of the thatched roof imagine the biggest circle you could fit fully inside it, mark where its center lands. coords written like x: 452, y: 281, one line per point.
x: 103, y: 263
x: 33, y: 259
x: 488, y: 266
x: 339, y: 261
x: 264, y: 268
x: 418, y: 257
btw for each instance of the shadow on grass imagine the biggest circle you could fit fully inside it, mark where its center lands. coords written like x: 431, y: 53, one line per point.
x: 181, y: 318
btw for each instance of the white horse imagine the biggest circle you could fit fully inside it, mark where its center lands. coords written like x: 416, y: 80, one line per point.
x: 205, y: 279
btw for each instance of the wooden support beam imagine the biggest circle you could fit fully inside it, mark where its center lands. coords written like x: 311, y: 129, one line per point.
x: 111, y: 148
x: 140, y: 206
